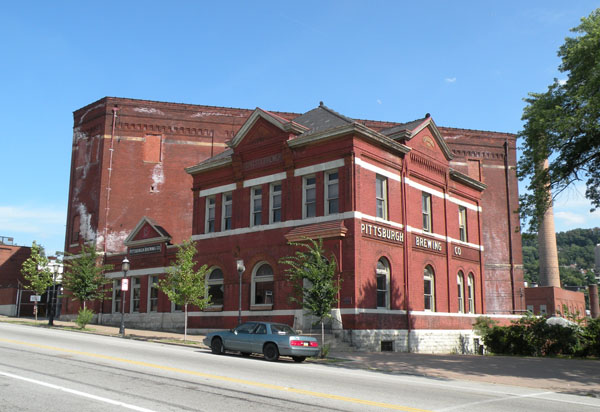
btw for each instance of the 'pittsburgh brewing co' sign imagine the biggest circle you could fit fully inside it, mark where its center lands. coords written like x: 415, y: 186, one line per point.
x: 380, y: 232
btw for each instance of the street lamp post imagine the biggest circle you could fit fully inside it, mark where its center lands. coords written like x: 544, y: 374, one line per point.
x: 56, y: 269
x: 240, y: 268
x: 124, y: 287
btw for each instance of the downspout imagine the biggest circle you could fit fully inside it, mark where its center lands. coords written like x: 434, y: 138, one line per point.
x: 406, y: 252
x: 115, y: 109
x: 110, y: 162
x: 448, y: 277
x: 509, y: 214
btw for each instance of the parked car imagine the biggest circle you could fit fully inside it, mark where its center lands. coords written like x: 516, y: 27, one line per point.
x: 270, y: 339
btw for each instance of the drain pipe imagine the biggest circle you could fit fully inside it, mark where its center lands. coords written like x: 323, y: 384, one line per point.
x: 115, y: 109
x: 510, y: 235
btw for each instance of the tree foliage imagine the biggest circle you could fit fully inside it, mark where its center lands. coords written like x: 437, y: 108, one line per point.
x: 84, y: 275
x: 183, y: 284
x: 563, y: 125
x: 313, y: 277
x: 37, y: 273
x: 575, y: 256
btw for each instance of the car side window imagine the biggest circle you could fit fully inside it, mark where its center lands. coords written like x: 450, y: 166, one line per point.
x: 245, y: 328
x: 260, y: 329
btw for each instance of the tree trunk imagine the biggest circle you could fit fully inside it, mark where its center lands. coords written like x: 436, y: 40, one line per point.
x: 322, y: 339
x: 185, y: 325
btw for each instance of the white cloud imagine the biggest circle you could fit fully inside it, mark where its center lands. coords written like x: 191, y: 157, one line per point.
x: 378, y: 101
x: 570, y: 218
x: 46, y: 224
x: 562, y: 82
x: 450, y: 79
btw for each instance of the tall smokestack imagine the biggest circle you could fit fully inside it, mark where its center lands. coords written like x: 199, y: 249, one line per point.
x: 549, y: 272
x: 594, y: 308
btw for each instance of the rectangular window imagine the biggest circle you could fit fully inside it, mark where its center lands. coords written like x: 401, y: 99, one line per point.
x: 226, y: 213
x: 310, y: 196
x: 275, y: 215
x: 117, y: 296
x: 153, y: 293
x: 256, y: 206
x: 543, y: 310
x: 428, y: 294
x: 331, y: 193
x: 381, y: 196
x: 462, y: 223
x: 135, y: 294
x: 426, y: 197
x: 210, y: 214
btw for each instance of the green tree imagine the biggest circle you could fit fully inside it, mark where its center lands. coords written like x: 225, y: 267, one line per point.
x: 563, y: 125
x: 37, y: 273
x: 84, y: 275
x: 183, y: 284
x: 313, y: 276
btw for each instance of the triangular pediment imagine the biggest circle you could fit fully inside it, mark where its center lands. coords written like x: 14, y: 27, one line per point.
x: 426, y: 138
x: 265, y: 122
x: 147, y: 232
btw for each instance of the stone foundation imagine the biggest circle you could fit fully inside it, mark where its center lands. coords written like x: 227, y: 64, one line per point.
x: 417, y: 341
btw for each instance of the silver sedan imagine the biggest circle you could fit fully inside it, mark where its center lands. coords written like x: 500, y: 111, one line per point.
x: 270, y: 339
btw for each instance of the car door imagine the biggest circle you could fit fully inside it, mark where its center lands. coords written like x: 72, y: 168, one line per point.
x: 240, y: 338
x: 259, y: 336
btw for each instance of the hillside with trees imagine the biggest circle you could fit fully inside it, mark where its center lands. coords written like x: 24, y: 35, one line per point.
x: 575, y: 256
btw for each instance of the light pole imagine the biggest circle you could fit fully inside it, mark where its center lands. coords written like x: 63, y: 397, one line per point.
x: 56, y: 268
x: 124, y: 287
x: 240, y: 269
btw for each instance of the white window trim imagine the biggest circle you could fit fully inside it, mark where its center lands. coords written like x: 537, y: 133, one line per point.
x: 425, y: 195
x: 253, y: 285
x: 253, y: 197
x: 432, y: 277
x: 326, y: 197
x: 387, y: 282
x: 271, y: 195
x: 462, y: 223
x: 116, y: 286
x: 385, y: 196
x: 304, y: 188
x: 460, y: 281
x: 208, y: 207
x: 149, y: 300
x: 131, y: 288
x: 209, y: 282
x: 471, y: 293
x: 223, y: 206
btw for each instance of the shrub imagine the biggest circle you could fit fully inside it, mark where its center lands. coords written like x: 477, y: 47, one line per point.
x: 84, y: 317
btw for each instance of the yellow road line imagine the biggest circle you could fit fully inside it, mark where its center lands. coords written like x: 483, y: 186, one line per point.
x: 220, y: 378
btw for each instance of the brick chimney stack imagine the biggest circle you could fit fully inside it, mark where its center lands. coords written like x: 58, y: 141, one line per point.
x: 549, y: 272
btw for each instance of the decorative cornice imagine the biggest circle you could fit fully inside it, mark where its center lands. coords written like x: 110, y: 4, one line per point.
x: 464, y: 179
x: 427, y: 164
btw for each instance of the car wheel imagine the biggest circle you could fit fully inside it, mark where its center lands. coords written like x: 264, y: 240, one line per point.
x: 298, y: 359
x: 271, y: 352
x: 216, y: 346
x: 246, y: 354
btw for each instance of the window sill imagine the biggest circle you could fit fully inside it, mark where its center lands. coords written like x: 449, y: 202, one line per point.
x: 262, y: 307
x: 214, y: 308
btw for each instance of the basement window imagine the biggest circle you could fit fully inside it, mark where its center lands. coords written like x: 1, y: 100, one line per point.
x: 387, y: 345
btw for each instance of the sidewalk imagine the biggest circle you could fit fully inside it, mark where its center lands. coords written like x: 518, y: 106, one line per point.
x: 573, y: 376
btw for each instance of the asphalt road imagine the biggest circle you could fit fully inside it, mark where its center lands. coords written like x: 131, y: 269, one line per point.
x: 54, y: 370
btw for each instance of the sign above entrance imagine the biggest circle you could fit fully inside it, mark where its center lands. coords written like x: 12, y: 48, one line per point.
x: 383, y: 233
x: 144, y: 249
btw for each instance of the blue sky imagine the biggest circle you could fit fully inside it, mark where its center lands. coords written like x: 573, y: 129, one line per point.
x: 468, y: 63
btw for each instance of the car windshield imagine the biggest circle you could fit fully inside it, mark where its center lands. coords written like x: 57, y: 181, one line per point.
x: 280, y: 329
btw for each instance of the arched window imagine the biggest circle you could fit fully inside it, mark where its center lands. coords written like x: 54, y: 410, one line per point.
x: 262, y: 284
x: 383, y: 283
x: 214, y: 287
x: 471, y: 293
x: 429, y: 288
x: 460, y: 281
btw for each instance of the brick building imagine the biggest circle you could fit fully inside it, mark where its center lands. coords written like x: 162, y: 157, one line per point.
x: 11, y: 279
x: 552, y: 301
x: 386, y: 257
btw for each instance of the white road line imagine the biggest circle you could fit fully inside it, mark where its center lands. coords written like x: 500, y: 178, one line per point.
x: 78, y: 393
